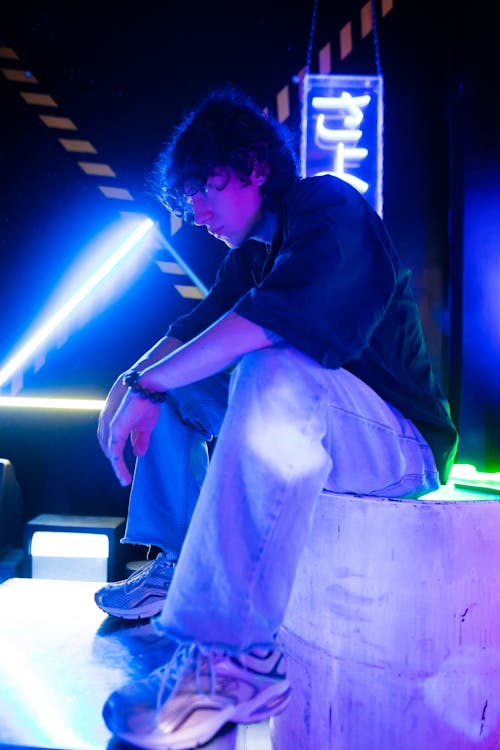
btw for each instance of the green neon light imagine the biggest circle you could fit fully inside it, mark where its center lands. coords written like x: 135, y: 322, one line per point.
x: 467, y: 474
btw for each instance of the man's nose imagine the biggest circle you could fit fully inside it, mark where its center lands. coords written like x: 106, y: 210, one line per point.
x: 201, y: 212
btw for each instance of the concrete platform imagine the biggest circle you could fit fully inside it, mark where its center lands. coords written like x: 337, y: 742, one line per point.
x: 392, y: 631
x: 60, y: 658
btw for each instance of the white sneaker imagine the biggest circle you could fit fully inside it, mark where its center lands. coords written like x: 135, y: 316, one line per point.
x: 185, y: 703
x: 142, y: 594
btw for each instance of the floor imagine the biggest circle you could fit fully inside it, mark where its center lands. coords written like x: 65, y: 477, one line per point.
x: 60, y: 658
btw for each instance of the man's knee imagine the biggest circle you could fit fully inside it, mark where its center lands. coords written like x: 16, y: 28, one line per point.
x: 275, y: 363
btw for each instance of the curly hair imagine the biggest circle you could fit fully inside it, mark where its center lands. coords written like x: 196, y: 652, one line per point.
x: 226, y: 129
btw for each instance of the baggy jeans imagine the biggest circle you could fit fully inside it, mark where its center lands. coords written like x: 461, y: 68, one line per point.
x: 286, y: 429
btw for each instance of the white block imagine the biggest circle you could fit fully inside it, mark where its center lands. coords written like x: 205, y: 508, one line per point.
x: 393, y: 628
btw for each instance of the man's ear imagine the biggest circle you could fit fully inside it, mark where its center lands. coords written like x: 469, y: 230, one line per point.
x: 260, y: 172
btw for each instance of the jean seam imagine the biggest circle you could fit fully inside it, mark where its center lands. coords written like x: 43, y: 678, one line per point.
x: 370, y: 421
x: 409, y: 475
x: 185, y: 490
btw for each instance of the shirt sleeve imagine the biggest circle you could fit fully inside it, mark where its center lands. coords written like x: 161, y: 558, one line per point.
x: 333, y: 276
x: 238, y: 272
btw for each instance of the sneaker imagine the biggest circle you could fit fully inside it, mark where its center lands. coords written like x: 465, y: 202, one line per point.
x: 185, y: 703
x: 142, y: 594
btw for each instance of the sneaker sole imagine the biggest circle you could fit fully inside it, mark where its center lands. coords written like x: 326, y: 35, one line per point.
x: 150, y: 610
x: 276, y: 699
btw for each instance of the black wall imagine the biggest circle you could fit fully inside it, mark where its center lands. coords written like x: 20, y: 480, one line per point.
x: 125, y: 78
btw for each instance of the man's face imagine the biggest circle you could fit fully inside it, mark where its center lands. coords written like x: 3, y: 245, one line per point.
x: 229, y: 208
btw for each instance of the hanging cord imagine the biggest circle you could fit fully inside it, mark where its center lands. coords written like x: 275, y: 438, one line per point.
x: 311, y: 37
x: 379, y: 73
x: 375, y: 39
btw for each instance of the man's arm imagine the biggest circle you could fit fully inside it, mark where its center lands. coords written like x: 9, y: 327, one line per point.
x: 212, y: 351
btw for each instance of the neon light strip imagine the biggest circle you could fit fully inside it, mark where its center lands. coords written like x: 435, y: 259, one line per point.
x: 63, y: 312
x: 468, y: 474
x: 187, y: 270
x: 35, y: 402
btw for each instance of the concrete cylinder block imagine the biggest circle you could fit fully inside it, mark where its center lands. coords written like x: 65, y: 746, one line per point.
x: 393, y: 628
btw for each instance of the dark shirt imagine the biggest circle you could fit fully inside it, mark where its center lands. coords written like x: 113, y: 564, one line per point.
x: 333, y: 286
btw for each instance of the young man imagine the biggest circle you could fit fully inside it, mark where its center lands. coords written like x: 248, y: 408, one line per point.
x: 308, y: 363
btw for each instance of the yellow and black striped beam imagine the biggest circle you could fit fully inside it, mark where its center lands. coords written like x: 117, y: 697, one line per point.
x: 86, y: 153
x: 345, y: 44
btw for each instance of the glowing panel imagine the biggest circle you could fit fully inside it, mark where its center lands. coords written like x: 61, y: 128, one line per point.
x: 69, y: 544
x: 69, y: 556
x: 342, y: 122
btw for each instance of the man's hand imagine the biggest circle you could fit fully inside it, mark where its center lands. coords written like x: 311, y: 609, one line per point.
x: 161, y: 349
x: 172, y: 364
x: 136, y: 418
x: 113, y: 401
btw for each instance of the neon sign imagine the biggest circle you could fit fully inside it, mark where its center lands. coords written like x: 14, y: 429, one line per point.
x: 342, y: 121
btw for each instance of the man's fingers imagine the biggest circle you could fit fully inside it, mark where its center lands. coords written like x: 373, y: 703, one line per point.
x: 135, y: 418
x: 103, y: 442
x: 115, y: 451
x: 120, y: 468
x: 140, y: 442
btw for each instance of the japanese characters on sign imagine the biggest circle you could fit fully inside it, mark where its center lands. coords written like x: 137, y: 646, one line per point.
x: 342, y: 121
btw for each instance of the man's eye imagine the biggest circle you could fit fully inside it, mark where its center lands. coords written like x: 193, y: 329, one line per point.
x: 191, y: 190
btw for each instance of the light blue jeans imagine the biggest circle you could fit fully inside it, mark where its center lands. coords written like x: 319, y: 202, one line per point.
x: 286, y: 429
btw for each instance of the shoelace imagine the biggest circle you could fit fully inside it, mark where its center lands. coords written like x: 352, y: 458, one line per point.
x: 142, y: 572
x: 139, y: 574
x: 202, y: 661
x: 187, y: 656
